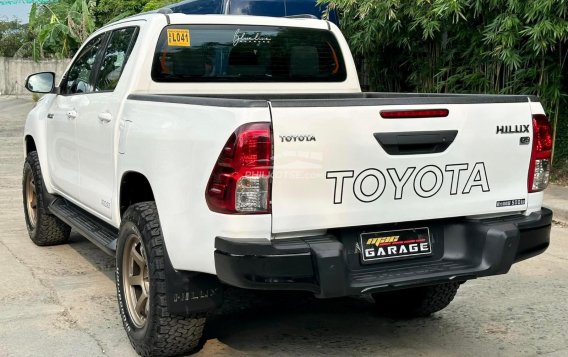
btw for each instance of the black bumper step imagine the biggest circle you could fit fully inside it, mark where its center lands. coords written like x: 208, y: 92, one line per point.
x: 330, y: 265
x: 398, y: 275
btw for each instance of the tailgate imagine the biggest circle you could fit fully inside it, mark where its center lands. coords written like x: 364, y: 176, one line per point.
x: 341, y: 165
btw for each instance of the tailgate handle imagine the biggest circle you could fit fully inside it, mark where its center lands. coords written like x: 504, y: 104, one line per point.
x: 417, y: 142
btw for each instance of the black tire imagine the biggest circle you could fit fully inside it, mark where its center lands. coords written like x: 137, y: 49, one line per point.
x: 161, y: 333
x: 416, y: 302
x: 44, y: 228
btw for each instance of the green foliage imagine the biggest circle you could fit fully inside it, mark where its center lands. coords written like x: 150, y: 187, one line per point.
x: 12, y: 36
x: 57, y: 29
x: 463, y: 46
x: 112, y: 10
x: 561, y: 154
x: 156, y: 4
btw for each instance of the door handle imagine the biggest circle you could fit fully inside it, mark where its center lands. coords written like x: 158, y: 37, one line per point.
x: 72, y: 114
x: 105, y: 117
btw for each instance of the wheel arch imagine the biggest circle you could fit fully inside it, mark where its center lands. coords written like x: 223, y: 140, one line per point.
x: 34, y: 142
x: 30, y: 144
x: 134, y: 188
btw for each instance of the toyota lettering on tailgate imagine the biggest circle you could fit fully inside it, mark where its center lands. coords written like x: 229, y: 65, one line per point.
x: 370, y: 184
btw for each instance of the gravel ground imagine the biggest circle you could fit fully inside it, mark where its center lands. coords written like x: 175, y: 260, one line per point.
x: 60, y: 301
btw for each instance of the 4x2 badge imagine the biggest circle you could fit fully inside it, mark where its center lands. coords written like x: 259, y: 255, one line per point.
x: 525, y: 140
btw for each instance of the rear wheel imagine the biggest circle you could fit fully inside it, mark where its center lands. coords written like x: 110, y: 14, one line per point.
x: 416, y: 302
x: 43, y: 227
x: 141, y: 289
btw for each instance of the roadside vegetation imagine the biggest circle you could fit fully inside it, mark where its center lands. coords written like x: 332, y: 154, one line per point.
x: 57, y: 28
x: 456, y: 46
x: 12, y: 37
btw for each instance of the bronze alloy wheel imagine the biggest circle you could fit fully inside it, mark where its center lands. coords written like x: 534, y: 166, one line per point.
x: 136, y: 284
x: 141, y: 263
x: 31, y: 200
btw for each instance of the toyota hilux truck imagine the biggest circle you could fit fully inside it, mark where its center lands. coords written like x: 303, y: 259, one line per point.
x: 206, y: 151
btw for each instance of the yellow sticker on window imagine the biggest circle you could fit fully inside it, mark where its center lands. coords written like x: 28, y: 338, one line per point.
x: 179, y: 37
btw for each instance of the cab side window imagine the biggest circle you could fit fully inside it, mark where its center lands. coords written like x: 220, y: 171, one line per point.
x: 115, y: 57
x: 78, y: 79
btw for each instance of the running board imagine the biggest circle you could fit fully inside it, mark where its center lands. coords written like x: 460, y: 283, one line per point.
x: 100, y: 233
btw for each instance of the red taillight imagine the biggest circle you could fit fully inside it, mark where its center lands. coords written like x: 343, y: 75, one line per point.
x: 414, y: 114
x: 539, y: 169
x: 241, y: 179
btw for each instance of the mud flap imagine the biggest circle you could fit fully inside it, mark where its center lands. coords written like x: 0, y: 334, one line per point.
x: 191, y: 292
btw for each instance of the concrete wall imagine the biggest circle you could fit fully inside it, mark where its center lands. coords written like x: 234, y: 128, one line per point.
x: 14, y: 71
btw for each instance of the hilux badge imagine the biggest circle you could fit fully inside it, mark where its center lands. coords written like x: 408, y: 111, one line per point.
x: 512, y: 129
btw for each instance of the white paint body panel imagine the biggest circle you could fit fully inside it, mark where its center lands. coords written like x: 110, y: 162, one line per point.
x: 303, y: 198
x: 63, y: 160
x: 177, y: 150
x: 95, y: 143
x: 175, y: 146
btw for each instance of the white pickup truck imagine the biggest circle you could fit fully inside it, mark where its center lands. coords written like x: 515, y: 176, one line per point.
x: 206, y: 151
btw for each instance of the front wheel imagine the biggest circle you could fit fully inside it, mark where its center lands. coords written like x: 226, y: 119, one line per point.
x: 141, y: 289
x: 416, y: 302
x: 44, y: 228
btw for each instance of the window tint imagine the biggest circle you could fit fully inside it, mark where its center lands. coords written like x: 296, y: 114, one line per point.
x: 231, y: 53
x: 114, y: 59
x: 258, y: 7
x: 78, y: 79
x: 198, y: 7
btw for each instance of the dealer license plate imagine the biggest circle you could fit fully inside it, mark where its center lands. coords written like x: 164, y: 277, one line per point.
x: 401, y: 244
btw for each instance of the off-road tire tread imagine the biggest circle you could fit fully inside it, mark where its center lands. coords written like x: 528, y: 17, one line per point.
x: 49, y: 229
x: 170, y: 335
x: 416, y: 302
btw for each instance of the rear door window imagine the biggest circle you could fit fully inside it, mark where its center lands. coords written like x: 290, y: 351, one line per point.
x: 115, y: 57
x: 235, y: 53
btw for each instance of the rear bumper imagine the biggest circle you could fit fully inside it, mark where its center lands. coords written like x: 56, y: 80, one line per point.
x: 330, y: 266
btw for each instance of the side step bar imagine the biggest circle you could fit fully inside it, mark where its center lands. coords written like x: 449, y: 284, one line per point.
x: 100, y: 233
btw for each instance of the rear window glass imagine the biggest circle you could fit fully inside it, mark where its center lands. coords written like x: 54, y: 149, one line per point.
x: 232, y: 53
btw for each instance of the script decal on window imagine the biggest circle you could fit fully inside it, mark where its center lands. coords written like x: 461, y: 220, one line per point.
x: 249, y: 37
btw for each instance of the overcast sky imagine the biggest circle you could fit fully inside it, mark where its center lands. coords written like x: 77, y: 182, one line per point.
x: 19, y: 11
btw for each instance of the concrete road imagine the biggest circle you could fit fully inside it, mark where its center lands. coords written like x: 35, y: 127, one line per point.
x: 60, y: 301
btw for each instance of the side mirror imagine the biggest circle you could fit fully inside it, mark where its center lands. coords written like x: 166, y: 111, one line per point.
x: 42, y: 82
